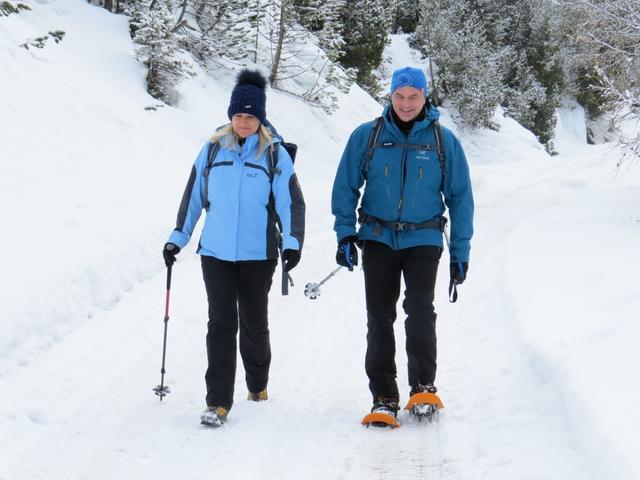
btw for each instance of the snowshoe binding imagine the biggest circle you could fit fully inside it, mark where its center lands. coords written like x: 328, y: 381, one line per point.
x: 383, y: 413
x: 214, y: 416
x: 423, y: 403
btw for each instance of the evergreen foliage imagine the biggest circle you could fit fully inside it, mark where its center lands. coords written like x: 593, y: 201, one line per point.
x: 405, y: 15
x: 605, y: 43
x: 522, y: 55
x: 454, y: 37
x: 365, y: 27
x: 158, y: 48
x: 7, y: 8
x: 492, y: 53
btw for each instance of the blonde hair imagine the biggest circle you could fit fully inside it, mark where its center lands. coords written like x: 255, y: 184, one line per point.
x: 228, y: 138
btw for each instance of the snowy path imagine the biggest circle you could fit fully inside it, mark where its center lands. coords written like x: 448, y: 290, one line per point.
x: 87, y: 403
x: 82, y: 292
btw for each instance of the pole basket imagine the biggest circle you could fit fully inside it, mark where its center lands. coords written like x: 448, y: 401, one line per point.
x: 161, y: 391
x: 312, y: 290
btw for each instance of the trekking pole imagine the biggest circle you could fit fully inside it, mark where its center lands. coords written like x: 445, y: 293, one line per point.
x: 286, y: 279
x: 162, y: 389
x: 312, y: 290
x: 453, y: 283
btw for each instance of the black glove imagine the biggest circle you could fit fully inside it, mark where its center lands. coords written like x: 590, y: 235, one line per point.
x: 169, y: 253
x: 290, y: 259
x: 458, y: 270
x: 347, y: 254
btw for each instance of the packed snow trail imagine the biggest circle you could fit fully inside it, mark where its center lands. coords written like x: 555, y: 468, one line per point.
x: 88, y: 406
x: 83, y: 294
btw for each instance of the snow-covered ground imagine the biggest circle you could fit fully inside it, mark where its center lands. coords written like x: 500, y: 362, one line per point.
x: 537, y: 359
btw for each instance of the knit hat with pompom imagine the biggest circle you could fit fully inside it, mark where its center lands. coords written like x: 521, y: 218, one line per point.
x: 248, y: 96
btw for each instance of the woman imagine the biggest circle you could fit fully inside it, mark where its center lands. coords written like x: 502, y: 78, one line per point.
x: 243, y: 201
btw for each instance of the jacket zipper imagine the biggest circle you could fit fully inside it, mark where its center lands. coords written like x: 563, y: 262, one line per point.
x: 404, y: 177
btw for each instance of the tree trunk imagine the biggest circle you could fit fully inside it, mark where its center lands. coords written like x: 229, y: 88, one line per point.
x: 108, y: 4
x: 273, y: 78
x: 181, y: 17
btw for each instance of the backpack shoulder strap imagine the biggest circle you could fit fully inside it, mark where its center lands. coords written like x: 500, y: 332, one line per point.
x: 371, y: 145
x: 272, y: 157
x: 437, y: 131
x: 211, y: 157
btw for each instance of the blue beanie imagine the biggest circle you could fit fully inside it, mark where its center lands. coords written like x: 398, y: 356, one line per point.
x: 248, y: 96
x: 409, y: 77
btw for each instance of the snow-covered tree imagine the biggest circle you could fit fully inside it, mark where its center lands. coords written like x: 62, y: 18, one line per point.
x: 405, y: 15
x: 222, y: 30
x: 290, y: 51
x: 158, y: 48
x: 452, y: 35
x: 607, y: 40
x: 509, y: 51
x: 365, y: 25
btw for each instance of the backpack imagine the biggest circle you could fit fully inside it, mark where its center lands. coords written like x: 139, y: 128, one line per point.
x: 373, y: 144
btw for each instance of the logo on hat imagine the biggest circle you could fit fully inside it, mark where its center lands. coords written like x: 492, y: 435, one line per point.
x: 405, y: 80
x: 247, y: 106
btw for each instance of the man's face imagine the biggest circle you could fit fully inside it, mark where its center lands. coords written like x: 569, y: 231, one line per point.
x: 407, y: 102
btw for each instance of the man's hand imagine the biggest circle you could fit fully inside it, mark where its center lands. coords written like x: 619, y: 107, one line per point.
x: 458, y: 271
x: 347, y: 254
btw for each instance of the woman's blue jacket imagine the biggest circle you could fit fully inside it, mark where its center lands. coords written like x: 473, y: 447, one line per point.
x: 244, y: 204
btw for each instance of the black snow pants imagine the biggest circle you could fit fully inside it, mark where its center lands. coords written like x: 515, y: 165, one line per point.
x: 236, y: 290
x: 382, y: 269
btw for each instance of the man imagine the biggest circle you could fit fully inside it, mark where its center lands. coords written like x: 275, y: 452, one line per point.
x: 410, y: 167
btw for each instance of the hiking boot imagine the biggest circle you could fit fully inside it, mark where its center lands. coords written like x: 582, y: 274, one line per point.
x: 386, y: 405
x: 214, y: 416
x: 422, y: 388
x: 261, y: 396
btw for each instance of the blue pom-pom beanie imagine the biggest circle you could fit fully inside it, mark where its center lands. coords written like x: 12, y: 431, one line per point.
x: 409, y: 77
x: 248, y: 96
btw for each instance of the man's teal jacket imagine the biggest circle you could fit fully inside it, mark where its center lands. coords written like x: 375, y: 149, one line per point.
x: 404, y: 184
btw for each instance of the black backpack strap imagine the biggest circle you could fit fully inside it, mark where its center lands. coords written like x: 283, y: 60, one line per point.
x: 211, y: 157
x: 272, y: 157
x: 371, y: 145
x: 437, y: 132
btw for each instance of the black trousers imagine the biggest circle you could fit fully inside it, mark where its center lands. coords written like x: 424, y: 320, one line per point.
x: 236, y: 291
x: 382, y: 269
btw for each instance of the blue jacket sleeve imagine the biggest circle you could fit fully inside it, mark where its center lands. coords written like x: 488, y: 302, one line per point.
x: 347, y: 183
x: 289, y: 201
x: 458, y: 197
x: 192, y: 202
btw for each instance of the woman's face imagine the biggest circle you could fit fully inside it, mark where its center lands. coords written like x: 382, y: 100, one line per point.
x: 244, y: 125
